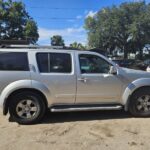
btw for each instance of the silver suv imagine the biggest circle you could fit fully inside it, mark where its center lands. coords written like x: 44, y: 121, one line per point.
x: 33, y: 80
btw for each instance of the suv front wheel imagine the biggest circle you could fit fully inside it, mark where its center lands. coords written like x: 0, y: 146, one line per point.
x: 27, y: 108
x: 140, y: 103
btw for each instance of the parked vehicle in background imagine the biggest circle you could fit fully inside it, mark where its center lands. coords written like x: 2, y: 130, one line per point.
x: 124, y: 63
x: 34, y: 79
x: 143, y: 64
x: 148, y: 69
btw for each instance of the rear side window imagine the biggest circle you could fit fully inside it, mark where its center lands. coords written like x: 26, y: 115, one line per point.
x: 42, y: 60
x: 60, y: 63
x: 13, y: 61
x: 54, y: 62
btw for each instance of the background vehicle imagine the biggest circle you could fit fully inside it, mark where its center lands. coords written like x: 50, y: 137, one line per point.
x: 143, y: 65
x: 34, y: 79
x: 148, y: 69
x: 124, y: 63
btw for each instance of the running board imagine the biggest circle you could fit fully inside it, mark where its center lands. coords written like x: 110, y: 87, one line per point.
x: 84, y: 108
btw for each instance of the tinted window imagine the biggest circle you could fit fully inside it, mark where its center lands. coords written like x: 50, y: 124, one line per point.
x: 13, y: 61
x: 42, y: 60
x: 93, y: 64
x: 54, y: 62
x: 60, y: 63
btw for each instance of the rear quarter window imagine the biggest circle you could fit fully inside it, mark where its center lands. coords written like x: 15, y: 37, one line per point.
x: 14, y: 61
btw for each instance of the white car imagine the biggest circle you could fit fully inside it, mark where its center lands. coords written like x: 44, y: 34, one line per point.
x: 148, y: 69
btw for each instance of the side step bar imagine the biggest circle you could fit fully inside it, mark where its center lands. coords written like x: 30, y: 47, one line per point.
x: 84, y: 108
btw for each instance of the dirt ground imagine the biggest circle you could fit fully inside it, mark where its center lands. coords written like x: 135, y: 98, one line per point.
x: 103, y: 130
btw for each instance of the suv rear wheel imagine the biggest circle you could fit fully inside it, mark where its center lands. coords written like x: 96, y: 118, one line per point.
x: 27, y: 108
x: 140, y: 103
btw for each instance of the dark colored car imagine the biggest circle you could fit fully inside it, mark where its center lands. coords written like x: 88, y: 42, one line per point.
x: 144, y: 65
x: 124, y: 63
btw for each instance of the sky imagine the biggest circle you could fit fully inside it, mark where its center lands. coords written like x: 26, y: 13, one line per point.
x: 65, y: 17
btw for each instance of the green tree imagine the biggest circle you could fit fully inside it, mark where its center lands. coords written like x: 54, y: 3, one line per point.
x: 57, y: 40
x: 15, y: 22
x: 126, y: 27
x: 76, y: 45
x: 31, y: 31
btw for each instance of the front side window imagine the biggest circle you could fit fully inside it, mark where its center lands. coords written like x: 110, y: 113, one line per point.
x: 91, y: 64
x: 54, y: 62
x: 13, y: 61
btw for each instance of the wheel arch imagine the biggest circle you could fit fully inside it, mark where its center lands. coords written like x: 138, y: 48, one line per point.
x: 7, y: 101
x: 134, y: 87
x: 23, y: 85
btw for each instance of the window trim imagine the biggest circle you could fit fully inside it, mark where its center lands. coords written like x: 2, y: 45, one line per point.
x: 55, y: 73
x: 26, y: 53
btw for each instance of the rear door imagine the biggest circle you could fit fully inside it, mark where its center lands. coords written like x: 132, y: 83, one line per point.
x: 56, y: 71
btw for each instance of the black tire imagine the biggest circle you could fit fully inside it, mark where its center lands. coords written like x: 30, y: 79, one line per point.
x: 138, y: 102
x: 22, y: 97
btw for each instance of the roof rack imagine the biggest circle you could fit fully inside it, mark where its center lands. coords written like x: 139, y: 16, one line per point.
x: 32, y: 46
x: 16, y: 42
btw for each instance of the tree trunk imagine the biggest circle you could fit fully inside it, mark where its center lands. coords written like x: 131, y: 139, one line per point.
x: 141, y: 54
x: 125, y: 52
x: 140, y: 51
x: 125, y: 55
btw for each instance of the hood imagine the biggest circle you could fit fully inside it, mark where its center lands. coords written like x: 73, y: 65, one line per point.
x: 132, y: 74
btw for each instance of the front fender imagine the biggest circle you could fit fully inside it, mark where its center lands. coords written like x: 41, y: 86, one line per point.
x: 142, y: 82
x: 22, y: 84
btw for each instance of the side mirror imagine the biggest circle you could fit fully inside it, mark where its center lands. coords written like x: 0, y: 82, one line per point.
x: 113, y: 70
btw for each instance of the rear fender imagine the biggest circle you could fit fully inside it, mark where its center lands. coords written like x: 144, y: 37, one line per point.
x: 22, y: 84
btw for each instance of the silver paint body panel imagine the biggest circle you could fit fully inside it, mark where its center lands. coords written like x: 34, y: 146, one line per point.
x: 70, y: 89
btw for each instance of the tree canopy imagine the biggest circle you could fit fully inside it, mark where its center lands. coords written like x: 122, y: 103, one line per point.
x: 76, y: 45
x: 15, y: 22
x: 126, y: 27
x: 57, y: 40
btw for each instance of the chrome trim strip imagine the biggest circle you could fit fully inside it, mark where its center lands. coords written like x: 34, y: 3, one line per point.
x: 118, y: 107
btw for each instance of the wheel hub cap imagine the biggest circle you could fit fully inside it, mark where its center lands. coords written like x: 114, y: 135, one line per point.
x: 143, y: 103
x: 26, y: 109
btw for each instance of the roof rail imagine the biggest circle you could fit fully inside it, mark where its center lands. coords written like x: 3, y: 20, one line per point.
x: 32, y: 46
x: 16, y: 42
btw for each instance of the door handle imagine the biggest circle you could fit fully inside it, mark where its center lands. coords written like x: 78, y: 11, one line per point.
x: 83, y: 79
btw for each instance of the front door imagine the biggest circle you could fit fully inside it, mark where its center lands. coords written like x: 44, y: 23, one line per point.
x: 94, y: 82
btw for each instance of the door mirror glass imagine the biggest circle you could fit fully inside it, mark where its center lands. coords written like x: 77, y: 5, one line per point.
x: 113, y: 70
